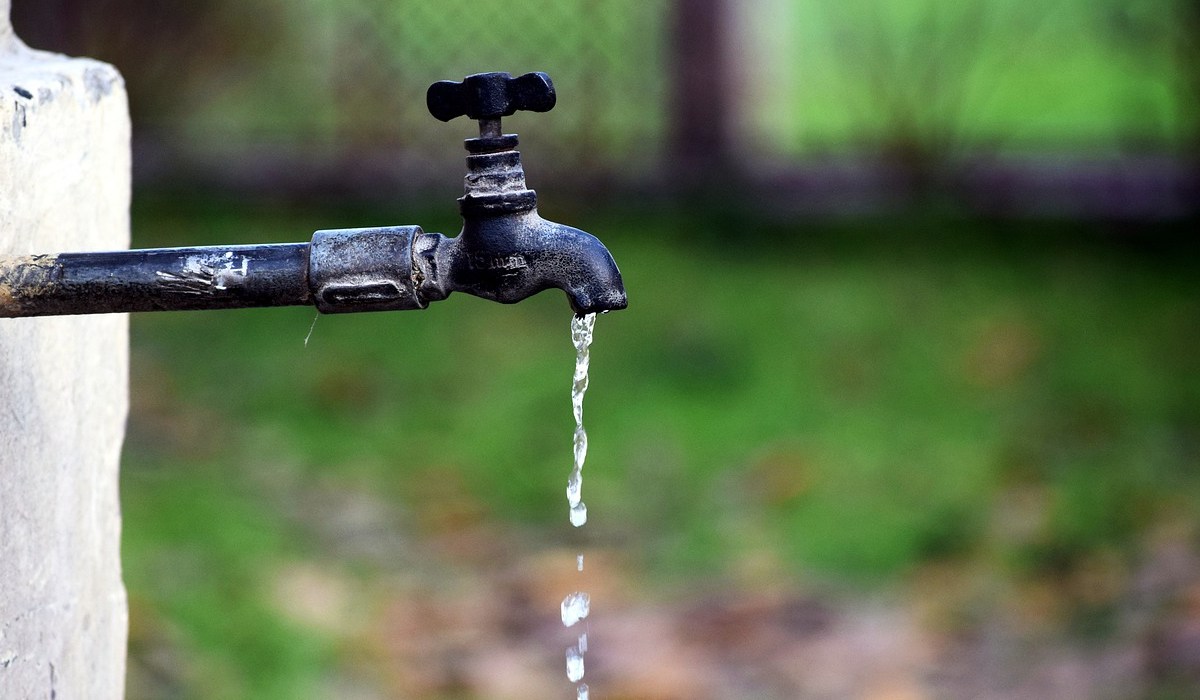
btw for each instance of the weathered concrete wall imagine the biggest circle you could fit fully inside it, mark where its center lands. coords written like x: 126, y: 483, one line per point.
x: 64, y: 185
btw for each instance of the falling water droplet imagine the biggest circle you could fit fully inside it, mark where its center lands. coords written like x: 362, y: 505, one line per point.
x: 575, y: 607
x: 579, y: 562
x: 574, y: 665
x: 581, y: 692
x: 579, y: 514
x: 583, y: 643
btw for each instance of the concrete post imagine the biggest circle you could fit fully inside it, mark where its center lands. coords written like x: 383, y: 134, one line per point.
x: 64, y: 185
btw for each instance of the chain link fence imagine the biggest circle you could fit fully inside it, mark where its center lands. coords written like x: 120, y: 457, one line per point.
x: 356, y: 75
x: 342, y: 81
x: 858, y: 91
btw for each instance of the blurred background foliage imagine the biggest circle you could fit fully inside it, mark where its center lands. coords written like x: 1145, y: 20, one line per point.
x: 906, y: 403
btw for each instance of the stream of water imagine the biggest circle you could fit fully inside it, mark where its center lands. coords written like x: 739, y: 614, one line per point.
x: 575, y: 606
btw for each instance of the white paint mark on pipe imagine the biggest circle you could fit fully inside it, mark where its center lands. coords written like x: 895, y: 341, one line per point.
x: 203, y: 274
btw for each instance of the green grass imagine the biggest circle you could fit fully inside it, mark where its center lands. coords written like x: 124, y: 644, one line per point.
x: 198, y: 548
x: 856, y: 401
x: 991, y: 74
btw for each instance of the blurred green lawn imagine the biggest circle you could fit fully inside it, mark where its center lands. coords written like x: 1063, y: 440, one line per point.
x: 856, y: 401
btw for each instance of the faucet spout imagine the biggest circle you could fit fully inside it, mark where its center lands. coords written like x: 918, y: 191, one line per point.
x: 508, y: 257
x: 506, y: 252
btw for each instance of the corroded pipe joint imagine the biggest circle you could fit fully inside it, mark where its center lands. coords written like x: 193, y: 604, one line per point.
x: 364, y: 269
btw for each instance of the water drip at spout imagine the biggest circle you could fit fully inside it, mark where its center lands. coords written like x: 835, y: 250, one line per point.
x: 582, y: 328
x: 576, y: 606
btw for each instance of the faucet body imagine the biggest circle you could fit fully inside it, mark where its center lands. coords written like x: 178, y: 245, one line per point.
x: 505, y: 252
x: 510, y: 258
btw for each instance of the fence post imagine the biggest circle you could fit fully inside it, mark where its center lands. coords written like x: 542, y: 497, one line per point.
x: 701, y: 115
x: 64, y: 185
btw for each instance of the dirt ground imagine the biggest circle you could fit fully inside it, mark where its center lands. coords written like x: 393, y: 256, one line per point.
x: 471, y: 612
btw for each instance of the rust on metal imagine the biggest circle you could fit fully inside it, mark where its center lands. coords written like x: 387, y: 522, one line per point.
x: 25, y: 277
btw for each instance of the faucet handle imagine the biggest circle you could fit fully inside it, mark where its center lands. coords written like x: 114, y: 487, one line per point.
x: 489, y: 96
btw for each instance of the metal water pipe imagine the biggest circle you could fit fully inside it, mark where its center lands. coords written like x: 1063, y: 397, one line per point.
x: 505, y: 251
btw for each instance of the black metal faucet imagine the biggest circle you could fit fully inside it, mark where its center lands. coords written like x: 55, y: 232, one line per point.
x: 505, y: 251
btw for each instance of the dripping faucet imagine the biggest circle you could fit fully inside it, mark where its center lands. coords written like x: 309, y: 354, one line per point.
x: 505, y: 251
